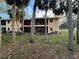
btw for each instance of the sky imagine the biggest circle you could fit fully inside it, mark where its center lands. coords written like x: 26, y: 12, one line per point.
x: 28, y: 11
x: 3, y: 8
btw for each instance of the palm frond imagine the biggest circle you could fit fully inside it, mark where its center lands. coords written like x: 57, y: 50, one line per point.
x: 19, y: 3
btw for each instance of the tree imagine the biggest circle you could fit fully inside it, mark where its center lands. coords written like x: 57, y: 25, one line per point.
x: 0, y: 33
x: 45, y: 6
x: 14, y: 4
x: 2, y: 10
x: 70, y: 25
x: 37, y: 3
x: 78, y: 25
x: 33, y: 22
x: 17, y: 19
x: 67, y: 7
x: 21, y: 4
x: 75, y: 10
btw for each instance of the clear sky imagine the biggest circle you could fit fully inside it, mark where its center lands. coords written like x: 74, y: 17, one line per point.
x: 28, y: 11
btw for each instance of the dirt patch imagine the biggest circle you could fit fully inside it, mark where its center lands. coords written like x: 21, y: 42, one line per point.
x: 35, y: 51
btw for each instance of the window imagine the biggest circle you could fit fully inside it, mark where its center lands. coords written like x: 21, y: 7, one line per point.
x: 51, y: 29
x: 8, y: 21
x: 3, y: 29
x: 3, y: 22
x: 8, y: 29
x: 20, y: 28
x: 20, y: 21
x: 27, y: 22
x: 51, y: 20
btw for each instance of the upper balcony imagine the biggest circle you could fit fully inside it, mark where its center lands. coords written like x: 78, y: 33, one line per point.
x: 38, y: 22
x: 3, y: 22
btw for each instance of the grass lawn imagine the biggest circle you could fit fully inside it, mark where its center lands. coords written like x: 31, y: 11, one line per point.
x: 55, y: 47
x: 61, y: 38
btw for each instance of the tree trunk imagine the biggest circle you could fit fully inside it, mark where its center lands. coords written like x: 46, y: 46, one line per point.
x: 33, y: 24
x: 23, y: 21
x: 13, y: 23
x: 70, y: 25
x: 46, y: 24
x: 0, y: 34
x: 78, y: 25
x: 17, y: 25
x: 46, y: 8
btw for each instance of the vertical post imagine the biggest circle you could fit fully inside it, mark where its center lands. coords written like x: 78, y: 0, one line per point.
x: 0, y: 33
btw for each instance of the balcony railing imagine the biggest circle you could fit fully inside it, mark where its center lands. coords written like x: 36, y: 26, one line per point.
x: 35, y: 25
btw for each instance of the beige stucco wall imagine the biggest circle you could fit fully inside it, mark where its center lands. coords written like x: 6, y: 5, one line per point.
x: 9, y: 25
x: 53, y: 25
